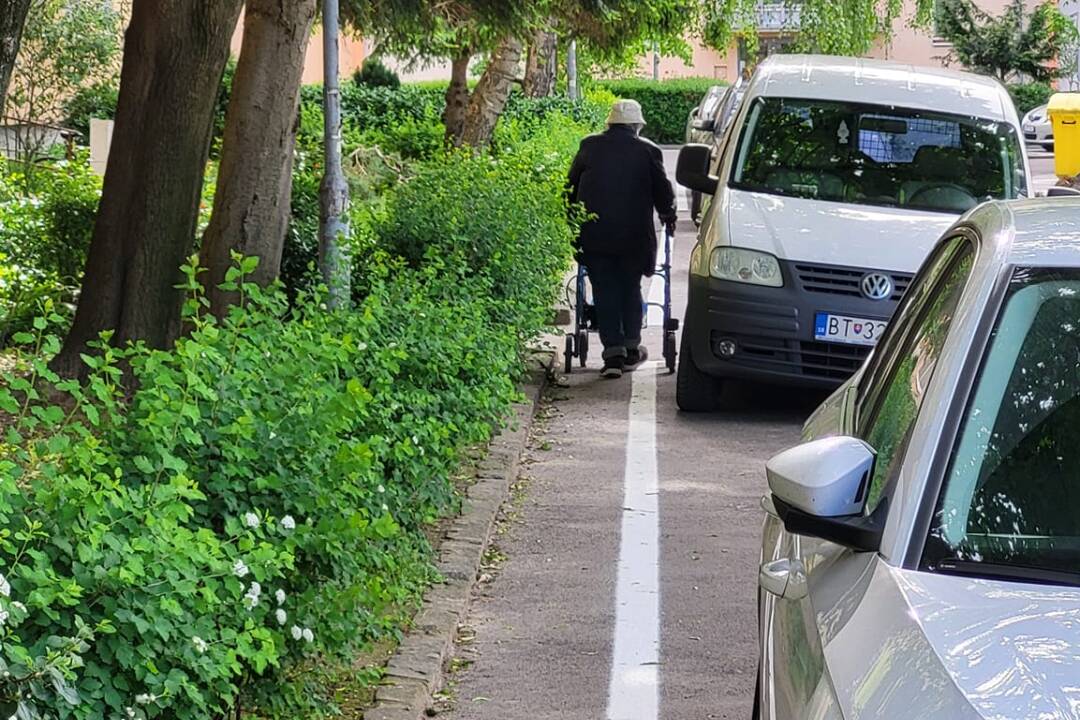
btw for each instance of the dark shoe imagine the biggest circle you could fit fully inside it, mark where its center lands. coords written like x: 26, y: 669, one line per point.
x: 636, y: 356
x: 613, y: 367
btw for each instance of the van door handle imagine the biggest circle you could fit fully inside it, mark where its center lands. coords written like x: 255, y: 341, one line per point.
x: 784, y: 578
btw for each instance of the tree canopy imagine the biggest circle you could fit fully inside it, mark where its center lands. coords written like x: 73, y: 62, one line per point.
x: 840, y: 27
x: 1017, y: 42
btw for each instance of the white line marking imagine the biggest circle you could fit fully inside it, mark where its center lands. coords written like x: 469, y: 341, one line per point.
x: 635, y: 677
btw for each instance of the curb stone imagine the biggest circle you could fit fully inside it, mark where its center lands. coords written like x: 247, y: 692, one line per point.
x: 415, y: 671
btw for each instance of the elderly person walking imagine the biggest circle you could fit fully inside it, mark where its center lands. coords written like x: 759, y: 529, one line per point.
x: 619, y: 177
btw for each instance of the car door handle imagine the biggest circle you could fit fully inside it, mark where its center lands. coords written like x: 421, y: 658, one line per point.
x: 784, y: 578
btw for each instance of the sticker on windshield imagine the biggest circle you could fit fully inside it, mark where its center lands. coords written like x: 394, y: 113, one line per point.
x: 842, y: 134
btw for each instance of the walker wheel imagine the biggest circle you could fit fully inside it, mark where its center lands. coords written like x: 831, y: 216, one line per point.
x: 583, y: 347
x: 669, y: 350
x: 568, y: 355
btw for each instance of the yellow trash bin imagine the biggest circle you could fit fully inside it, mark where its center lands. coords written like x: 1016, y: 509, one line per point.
x: 1064, y: 111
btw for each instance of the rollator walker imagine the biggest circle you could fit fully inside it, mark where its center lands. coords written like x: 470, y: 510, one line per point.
x: 577, y: 341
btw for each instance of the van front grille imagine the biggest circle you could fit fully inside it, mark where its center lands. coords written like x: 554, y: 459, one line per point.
x: 836, y: 280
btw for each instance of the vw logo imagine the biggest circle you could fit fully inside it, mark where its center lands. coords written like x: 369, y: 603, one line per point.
x: 876, y: 286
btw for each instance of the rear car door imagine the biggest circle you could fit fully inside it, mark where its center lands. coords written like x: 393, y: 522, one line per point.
x: 794, y: 676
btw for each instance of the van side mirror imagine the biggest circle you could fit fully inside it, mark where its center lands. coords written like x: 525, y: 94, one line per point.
x: 705, y: 124
x: 819, y: 489
x: 692, y: 170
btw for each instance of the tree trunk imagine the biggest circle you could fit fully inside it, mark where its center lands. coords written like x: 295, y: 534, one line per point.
x: 457, y: 97
x: 253, y: 201
x: 174, y: 57
x: 12, y: 19
x: 540, y: 65
x: 489, y: 98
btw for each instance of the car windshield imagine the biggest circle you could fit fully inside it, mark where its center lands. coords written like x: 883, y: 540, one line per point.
x: 876, y: 155
x: 1011, y: 498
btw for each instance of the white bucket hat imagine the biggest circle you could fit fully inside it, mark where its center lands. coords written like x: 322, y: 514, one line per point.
x: 626, y: 112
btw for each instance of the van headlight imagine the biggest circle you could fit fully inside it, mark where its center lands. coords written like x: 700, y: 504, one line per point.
x: 746, y: 266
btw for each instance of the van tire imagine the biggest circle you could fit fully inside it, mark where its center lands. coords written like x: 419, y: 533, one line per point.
x: 695, y: 391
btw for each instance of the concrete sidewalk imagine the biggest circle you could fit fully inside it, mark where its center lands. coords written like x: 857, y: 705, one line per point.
x: 542, y: 632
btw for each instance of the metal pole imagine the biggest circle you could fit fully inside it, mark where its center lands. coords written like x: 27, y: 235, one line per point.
x: 571, y: 70
x: 655, y: 61
x: 334, y: 193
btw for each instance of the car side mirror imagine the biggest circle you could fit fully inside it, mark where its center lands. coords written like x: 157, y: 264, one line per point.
x: 1061, y: 191
x: 692, y: 170
x: 819, y: 489
x: 705, y: 124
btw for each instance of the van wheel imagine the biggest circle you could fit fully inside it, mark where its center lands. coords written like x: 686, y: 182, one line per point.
x: 695, y: 391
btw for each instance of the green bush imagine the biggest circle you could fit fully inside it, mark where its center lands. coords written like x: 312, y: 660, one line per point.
x: 97, y: 101
x: 255, y: 501
x: 1027, y: 96
x: 46, y: 220
x: 666, y: 104
x: 373, y: 73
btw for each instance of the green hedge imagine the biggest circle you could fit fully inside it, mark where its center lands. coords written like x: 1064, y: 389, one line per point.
x: 1027, y: 96
x: 257, y: 505
x: 666, y: 104
x: 46, y: 219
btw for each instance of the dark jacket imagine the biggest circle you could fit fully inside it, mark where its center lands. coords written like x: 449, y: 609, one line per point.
x: 620, y: 179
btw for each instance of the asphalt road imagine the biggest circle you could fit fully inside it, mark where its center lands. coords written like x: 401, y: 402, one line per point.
x: 628, y: 574
x: 542, y: 634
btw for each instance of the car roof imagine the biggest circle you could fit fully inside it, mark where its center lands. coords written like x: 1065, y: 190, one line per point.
x: 1041, y: 232
x: 880, y: 82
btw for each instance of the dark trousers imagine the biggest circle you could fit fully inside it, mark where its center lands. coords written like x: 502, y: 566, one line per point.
x: 616, y: 286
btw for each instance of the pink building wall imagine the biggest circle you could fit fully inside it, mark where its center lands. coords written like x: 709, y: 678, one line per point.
x: 353, y: 52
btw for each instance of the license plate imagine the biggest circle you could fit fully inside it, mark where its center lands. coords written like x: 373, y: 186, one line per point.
x: 845, y: 329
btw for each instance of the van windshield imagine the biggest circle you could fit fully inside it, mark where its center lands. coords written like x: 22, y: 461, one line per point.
x: 877, y: 155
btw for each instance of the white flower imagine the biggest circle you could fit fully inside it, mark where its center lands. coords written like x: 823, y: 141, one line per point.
x: 381, y: 489
x: 281, y: 616
x: 297, y: 632
x: 145, y: 699
x: 385, y: 508
x: 3, y: 617
x: 288, y: 523
x: 251, y: 520
x: 18, y: 606
x: 279, y: 595
x: 240, y: 569
x: 251, y: 598
x: 5, y: 588
x: 130, y: 712
x: 308, y: 635
x: 199, y: 643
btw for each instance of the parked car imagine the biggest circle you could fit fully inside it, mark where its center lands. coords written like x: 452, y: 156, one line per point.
x: 835, y: 180
x: 921, y: 549
x: 1038, y: 129
x: 708, y: 125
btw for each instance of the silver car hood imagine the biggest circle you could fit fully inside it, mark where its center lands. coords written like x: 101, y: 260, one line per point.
x: 902, y: 644
x: 1013, y: 649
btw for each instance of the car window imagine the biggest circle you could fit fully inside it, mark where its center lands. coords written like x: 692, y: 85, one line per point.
x: 1011, y: 497
x: 908, y: 369
x: 873, y: 155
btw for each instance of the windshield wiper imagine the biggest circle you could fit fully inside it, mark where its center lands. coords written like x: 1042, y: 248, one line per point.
x: 1008, y: 571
